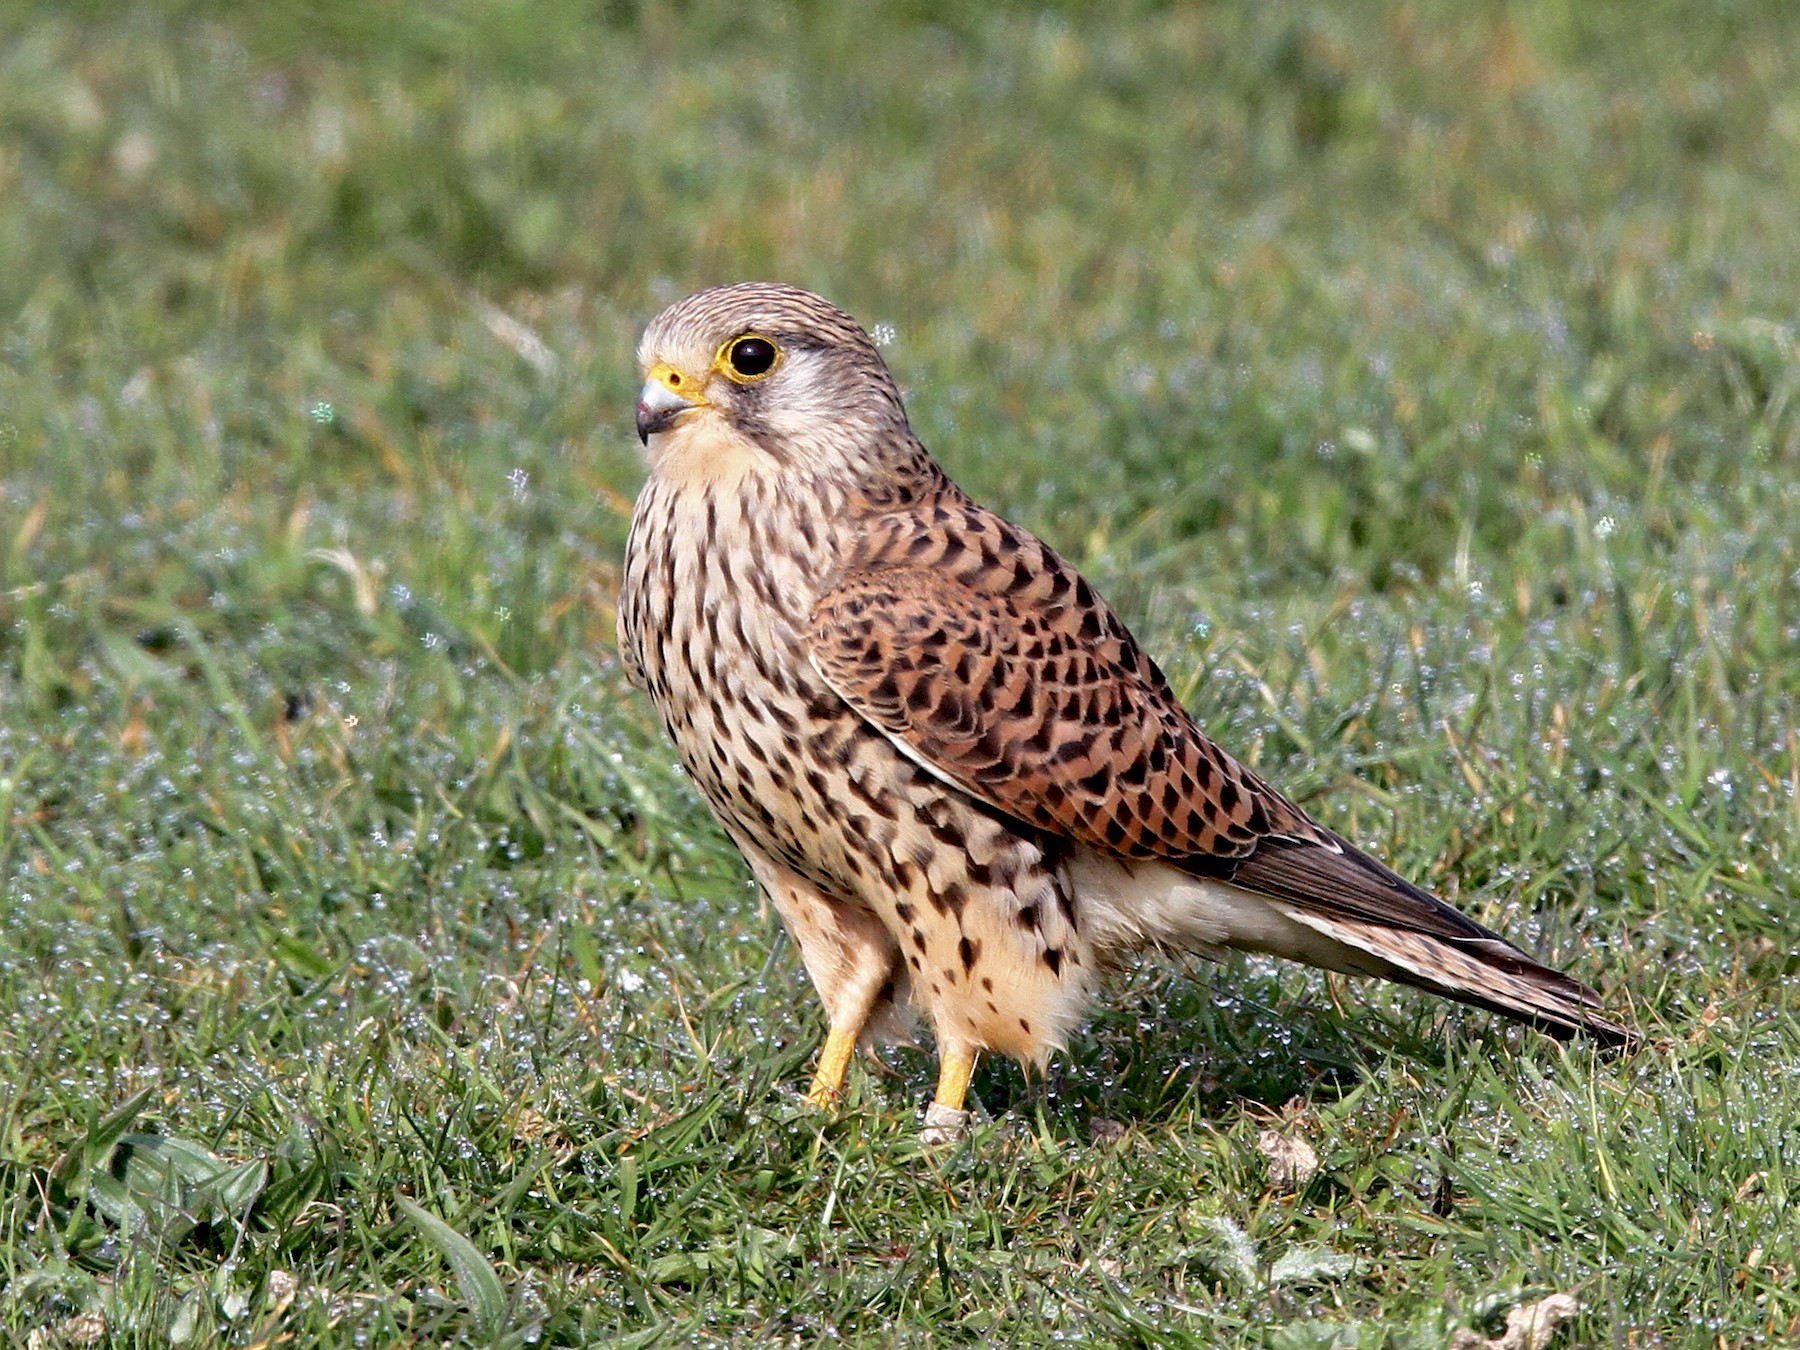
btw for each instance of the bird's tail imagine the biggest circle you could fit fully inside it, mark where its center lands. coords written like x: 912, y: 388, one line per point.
x: 1338, y: 908
x: 1487, y: 971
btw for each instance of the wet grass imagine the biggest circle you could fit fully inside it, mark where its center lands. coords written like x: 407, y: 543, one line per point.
x: 1420, y: 382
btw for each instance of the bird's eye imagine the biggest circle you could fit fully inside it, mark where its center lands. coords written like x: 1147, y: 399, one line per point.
x: 749, y: 357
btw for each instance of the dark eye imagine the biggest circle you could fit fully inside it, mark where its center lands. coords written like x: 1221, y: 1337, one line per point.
x: 751, y: 357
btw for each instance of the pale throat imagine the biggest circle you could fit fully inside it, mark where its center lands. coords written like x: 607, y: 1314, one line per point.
x: 702, y: 451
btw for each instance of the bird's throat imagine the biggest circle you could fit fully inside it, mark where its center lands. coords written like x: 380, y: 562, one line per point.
x: 703, y: 451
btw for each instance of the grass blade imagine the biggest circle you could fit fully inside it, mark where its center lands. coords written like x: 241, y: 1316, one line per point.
x: 475, y: 1275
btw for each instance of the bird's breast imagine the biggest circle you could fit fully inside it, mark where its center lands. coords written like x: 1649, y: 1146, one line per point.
x: 721, y: 580
x: 718, y: 592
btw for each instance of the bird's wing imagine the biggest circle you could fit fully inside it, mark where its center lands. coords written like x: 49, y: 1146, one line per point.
x: 989, y: 661
x: 985, y: 658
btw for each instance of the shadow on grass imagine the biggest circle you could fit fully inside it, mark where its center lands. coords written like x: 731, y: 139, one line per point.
x: 1207, y: 1042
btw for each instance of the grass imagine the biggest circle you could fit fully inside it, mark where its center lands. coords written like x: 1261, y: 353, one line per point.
x: 1421, y: 382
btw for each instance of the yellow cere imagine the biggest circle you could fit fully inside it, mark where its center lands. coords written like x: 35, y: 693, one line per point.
x: 672, y: 379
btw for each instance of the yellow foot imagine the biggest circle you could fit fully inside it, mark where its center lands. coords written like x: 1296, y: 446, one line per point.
x: 834, y: 1063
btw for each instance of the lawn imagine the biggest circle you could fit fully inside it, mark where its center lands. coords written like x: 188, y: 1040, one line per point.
x: 1422, y: 383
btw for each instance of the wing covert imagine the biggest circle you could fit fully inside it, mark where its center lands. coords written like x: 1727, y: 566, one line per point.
x: 1048, y: 713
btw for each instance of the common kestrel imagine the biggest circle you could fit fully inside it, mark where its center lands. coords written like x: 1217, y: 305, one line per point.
x: 966, y: 788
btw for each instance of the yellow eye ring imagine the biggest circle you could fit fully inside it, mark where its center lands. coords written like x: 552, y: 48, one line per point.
x: 747, y: 358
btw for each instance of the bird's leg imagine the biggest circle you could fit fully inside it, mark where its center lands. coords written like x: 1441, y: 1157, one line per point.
x: 850, y: 1009
x: 834, y: 1063
x: 848, y: 953
x: 954, y: 1071
x: 852, y: 1003
x: 946, y: 1120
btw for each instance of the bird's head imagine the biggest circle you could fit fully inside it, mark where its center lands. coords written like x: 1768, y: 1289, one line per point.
x: 772, y: 368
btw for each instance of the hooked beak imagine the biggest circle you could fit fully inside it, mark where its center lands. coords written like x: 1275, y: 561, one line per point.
x: 666, y: 395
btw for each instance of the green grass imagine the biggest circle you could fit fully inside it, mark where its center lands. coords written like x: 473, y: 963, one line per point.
x: 1422, y: 382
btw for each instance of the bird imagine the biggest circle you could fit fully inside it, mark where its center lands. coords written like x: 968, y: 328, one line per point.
x: 967, y: 790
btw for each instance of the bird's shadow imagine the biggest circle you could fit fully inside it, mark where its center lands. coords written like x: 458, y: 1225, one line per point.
x: 1204, y: 1041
